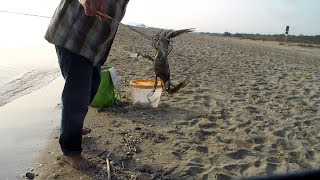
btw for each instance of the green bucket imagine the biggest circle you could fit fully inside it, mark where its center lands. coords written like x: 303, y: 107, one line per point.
x: 106, y: 94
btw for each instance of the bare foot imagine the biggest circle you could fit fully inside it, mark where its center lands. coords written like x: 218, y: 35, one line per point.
x: 85, y: 131
x: 78, y: 162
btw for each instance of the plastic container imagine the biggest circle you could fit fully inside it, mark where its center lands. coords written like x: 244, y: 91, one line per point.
x: 141, y: 93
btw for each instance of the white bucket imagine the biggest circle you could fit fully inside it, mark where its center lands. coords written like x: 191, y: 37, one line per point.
x: 141, y: 93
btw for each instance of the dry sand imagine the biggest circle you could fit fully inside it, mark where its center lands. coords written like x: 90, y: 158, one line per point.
x: 251, y: 109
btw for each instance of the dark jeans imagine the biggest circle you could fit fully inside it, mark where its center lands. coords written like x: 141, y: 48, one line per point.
x: 81, y: 84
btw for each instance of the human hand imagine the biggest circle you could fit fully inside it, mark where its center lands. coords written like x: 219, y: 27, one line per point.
x: 92, y: 6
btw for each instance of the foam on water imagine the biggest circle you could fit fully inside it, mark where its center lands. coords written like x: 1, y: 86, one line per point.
x: 16, y: 82
x: 27, y: 61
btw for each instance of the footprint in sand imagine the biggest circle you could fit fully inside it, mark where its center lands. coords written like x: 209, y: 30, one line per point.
x: 239, y: 154
x: 315, y: 97
x: 177, y: 153
x: 273, y: 159
x: 259, y: 147
x: 298, y: 158
x: 257, y: 163
x: 231, y: 167
x: 253, y: 110
x: 224, y: 140
x: 193, y: 170
x: 310, y: 155
x: 184, y: 146
x: 258, y: 140
x: 182, y: 123
x: 271, y: 168
x: 202, y: 90
x: 244, y: 167
x: 282, y: 143
x: 197, y: 98
x: 207, y: 125
x: 237, y: 167
x: 291, y: 135
x: 188, y: 122
x: 258, y: 118
x: 202, y: 149
x: 280, y: 133
x: 223, y: 177
x: 307, y: 91
x: 199, y: 136
x: 244, y: 124
x: 308, y: 122
x: 187, y: 92
x: 207, y: 101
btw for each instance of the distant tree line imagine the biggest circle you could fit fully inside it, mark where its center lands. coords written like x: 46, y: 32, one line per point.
x: 276, y: 37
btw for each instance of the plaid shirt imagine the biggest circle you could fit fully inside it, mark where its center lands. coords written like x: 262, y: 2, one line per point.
x: 85, y: 35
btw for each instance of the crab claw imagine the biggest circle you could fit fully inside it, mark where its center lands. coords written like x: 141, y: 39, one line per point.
x: 179, y: 86
x: 166, y: 85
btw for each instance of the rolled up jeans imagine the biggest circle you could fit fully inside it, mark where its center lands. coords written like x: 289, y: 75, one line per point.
x: 82, y: 80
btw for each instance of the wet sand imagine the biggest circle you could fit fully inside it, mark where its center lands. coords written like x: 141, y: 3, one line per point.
x: 26, y: 124
x: 252, y: 108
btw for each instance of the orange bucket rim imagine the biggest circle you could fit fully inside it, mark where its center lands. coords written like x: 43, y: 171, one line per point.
x: 137, y: 83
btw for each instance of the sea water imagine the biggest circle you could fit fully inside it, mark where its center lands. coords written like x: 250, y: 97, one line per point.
x: 27, y: 61
x: 28, y: 99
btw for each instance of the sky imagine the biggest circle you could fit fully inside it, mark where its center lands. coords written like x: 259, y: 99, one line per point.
x: 245, y: 16
x: 242, y: 16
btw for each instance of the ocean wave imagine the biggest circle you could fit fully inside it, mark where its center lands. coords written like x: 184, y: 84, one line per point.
x: 27, y: 83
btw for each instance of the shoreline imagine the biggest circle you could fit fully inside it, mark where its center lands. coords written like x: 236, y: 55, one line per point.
x: 28, y: 82
x: 26, y: 123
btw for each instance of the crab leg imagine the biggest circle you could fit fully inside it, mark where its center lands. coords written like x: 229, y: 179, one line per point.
x: 179, y: 86
x: 154, y: 88
x: 146, y: 56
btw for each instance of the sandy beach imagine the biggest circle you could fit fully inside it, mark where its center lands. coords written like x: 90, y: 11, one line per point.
x: 251, y: 108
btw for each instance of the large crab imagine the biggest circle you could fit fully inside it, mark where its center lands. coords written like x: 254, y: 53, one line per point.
x: 163, y: 44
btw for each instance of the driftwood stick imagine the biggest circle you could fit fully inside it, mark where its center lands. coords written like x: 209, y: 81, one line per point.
x: 109, y: 154
x: 108, y: 168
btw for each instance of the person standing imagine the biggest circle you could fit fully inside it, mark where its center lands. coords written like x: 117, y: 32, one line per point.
x: 82, y: 40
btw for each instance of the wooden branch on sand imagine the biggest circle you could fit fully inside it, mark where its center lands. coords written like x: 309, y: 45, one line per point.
x: 108, y: 166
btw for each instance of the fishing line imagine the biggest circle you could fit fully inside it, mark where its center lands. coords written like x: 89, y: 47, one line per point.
x: 25, y: 14
x: 153, y: 39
